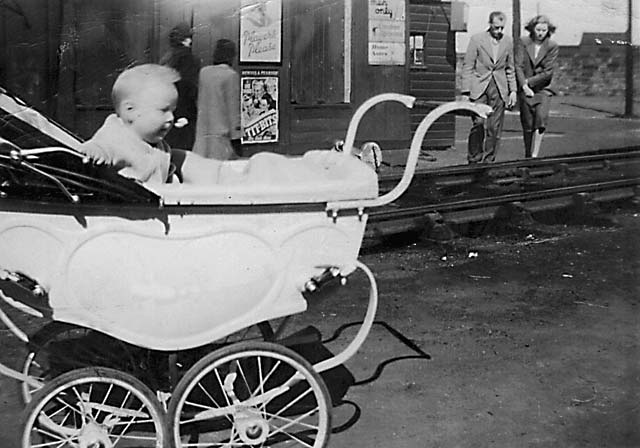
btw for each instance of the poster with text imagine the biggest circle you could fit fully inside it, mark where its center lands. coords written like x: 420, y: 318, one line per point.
x: 260, y: 30
x: 259, y: 106
x: 387, y: 32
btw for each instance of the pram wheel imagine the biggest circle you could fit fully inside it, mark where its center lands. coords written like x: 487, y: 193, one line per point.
x: 250, y: 394
x: 93, y: 407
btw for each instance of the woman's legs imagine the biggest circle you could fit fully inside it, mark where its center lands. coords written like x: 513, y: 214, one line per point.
x: 527, y: 122
x: 541, y: 117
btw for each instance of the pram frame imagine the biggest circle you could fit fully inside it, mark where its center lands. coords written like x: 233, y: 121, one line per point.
x: 335, y: 210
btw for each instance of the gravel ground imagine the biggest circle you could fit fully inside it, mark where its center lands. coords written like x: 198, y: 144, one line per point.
x: 533, y: 336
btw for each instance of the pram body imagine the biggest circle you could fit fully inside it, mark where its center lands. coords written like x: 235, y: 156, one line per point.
x: 177, y: 266
x: 199, y: 264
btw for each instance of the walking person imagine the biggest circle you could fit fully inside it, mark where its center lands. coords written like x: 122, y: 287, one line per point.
x: 218, y: 129
x: 180, y: 58
x: 536, y: 56
x: 488, y: 76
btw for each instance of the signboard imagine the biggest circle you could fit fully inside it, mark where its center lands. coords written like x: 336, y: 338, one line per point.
x: 381, y: 53
x: 259, y: 106
x: 387, y: 32
x: 260, y: 30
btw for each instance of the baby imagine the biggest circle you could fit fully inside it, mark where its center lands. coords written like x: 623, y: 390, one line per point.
x: 132, y: 139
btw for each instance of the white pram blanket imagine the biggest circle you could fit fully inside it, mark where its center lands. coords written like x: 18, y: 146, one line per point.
x: 316, y: 176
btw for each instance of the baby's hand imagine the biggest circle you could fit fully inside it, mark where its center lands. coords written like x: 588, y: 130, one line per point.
x: 95, y: 153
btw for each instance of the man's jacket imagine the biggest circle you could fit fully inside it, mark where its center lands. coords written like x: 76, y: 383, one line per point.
x: 479, y: 66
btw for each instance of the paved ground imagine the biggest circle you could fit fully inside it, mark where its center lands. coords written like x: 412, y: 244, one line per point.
x: 576, y: 124
x: 534, y: 339
x: 534, y: 342
x: 534, y: 335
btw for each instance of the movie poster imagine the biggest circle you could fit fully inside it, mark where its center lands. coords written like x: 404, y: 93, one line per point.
x: 259, y: 106
x: 260, y: 30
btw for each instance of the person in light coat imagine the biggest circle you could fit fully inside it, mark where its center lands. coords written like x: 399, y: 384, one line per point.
x: 218, y: 128
x: 488, y: 76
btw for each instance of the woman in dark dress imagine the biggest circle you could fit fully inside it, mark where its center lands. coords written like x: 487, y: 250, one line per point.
x: 536, y: 56
x: 182, y: 59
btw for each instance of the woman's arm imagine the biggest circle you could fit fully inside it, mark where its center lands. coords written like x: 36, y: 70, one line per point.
x: 544, y: 73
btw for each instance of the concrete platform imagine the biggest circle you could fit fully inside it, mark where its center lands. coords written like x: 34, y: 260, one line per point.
x: 576, y: 124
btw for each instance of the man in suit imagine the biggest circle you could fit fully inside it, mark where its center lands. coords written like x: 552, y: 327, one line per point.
x: 536, y: 56
x: 488, y: 76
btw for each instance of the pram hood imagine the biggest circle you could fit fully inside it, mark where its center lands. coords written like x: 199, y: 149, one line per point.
x: 48, y: 168
x: 27, y: 128
x: 39, y: 162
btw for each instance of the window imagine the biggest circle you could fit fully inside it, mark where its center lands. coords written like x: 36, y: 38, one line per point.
x: 416, y: 49
x: 317, y: 52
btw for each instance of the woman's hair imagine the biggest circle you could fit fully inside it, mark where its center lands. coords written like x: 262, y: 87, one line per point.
x: 179, y: 33
x: 530, y: 26
x: 136, y: 78
x: 225, y: 52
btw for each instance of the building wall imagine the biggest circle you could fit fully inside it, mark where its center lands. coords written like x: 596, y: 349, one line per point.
x: 435, y: 80
x: 63, y: 57
x: 589, y: 70
x: 600, y: 72
x: 29, y: 44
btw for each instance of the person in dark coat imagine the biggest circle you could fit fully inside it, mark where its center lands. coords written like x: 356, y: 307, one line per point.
x: 536, y: 56
x: 181, y: 58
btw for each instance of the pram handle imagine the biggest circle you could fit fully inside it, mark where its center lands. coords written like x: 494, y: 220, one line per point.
x: 352, y: 129
x: 482, y: 110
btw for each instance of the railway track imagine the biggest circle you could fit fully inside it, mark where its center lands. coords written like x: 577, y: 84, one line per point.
x: 465, y: 194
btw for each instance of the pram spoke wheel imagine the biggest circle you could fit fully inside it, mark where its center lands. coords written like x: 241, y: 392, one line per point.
x: 250, y: 394
x: 93, y: 407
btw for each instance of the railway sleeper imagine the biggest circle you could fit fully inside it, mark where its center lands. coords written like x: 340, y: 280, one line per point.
x: 635, y: 200
x: 584, y: 206
x: 515, y: 214
x: 587, y: 209
x: 436, y: 228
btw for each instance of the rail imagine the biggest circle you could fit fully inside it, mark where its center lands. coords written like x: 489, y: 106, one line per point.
x: 411, y: 215
x: 504, y: 172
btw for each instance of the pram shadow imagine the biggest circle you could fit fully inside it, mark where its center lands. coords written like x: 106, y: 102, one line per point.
x: 308, y: 342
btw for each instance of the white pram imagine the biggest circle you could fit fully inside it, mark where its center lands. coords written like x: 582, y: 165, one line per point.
x: 126, y: 277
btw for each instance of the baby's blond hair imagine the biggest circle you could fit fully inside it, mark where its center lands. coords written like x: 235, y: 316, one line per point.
x: 135, y: 79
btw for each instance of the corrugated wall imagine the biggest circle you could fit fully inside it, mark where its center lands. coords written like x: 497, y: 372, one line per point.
x: 436, y: 80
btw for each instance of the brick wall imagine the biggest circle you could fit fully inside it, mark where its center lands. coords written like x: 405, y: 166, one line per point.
x: 591, y: 71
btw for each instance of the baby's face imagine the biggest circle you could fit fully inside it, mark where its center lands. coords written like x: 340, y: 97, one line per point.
x: 152, y: 115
